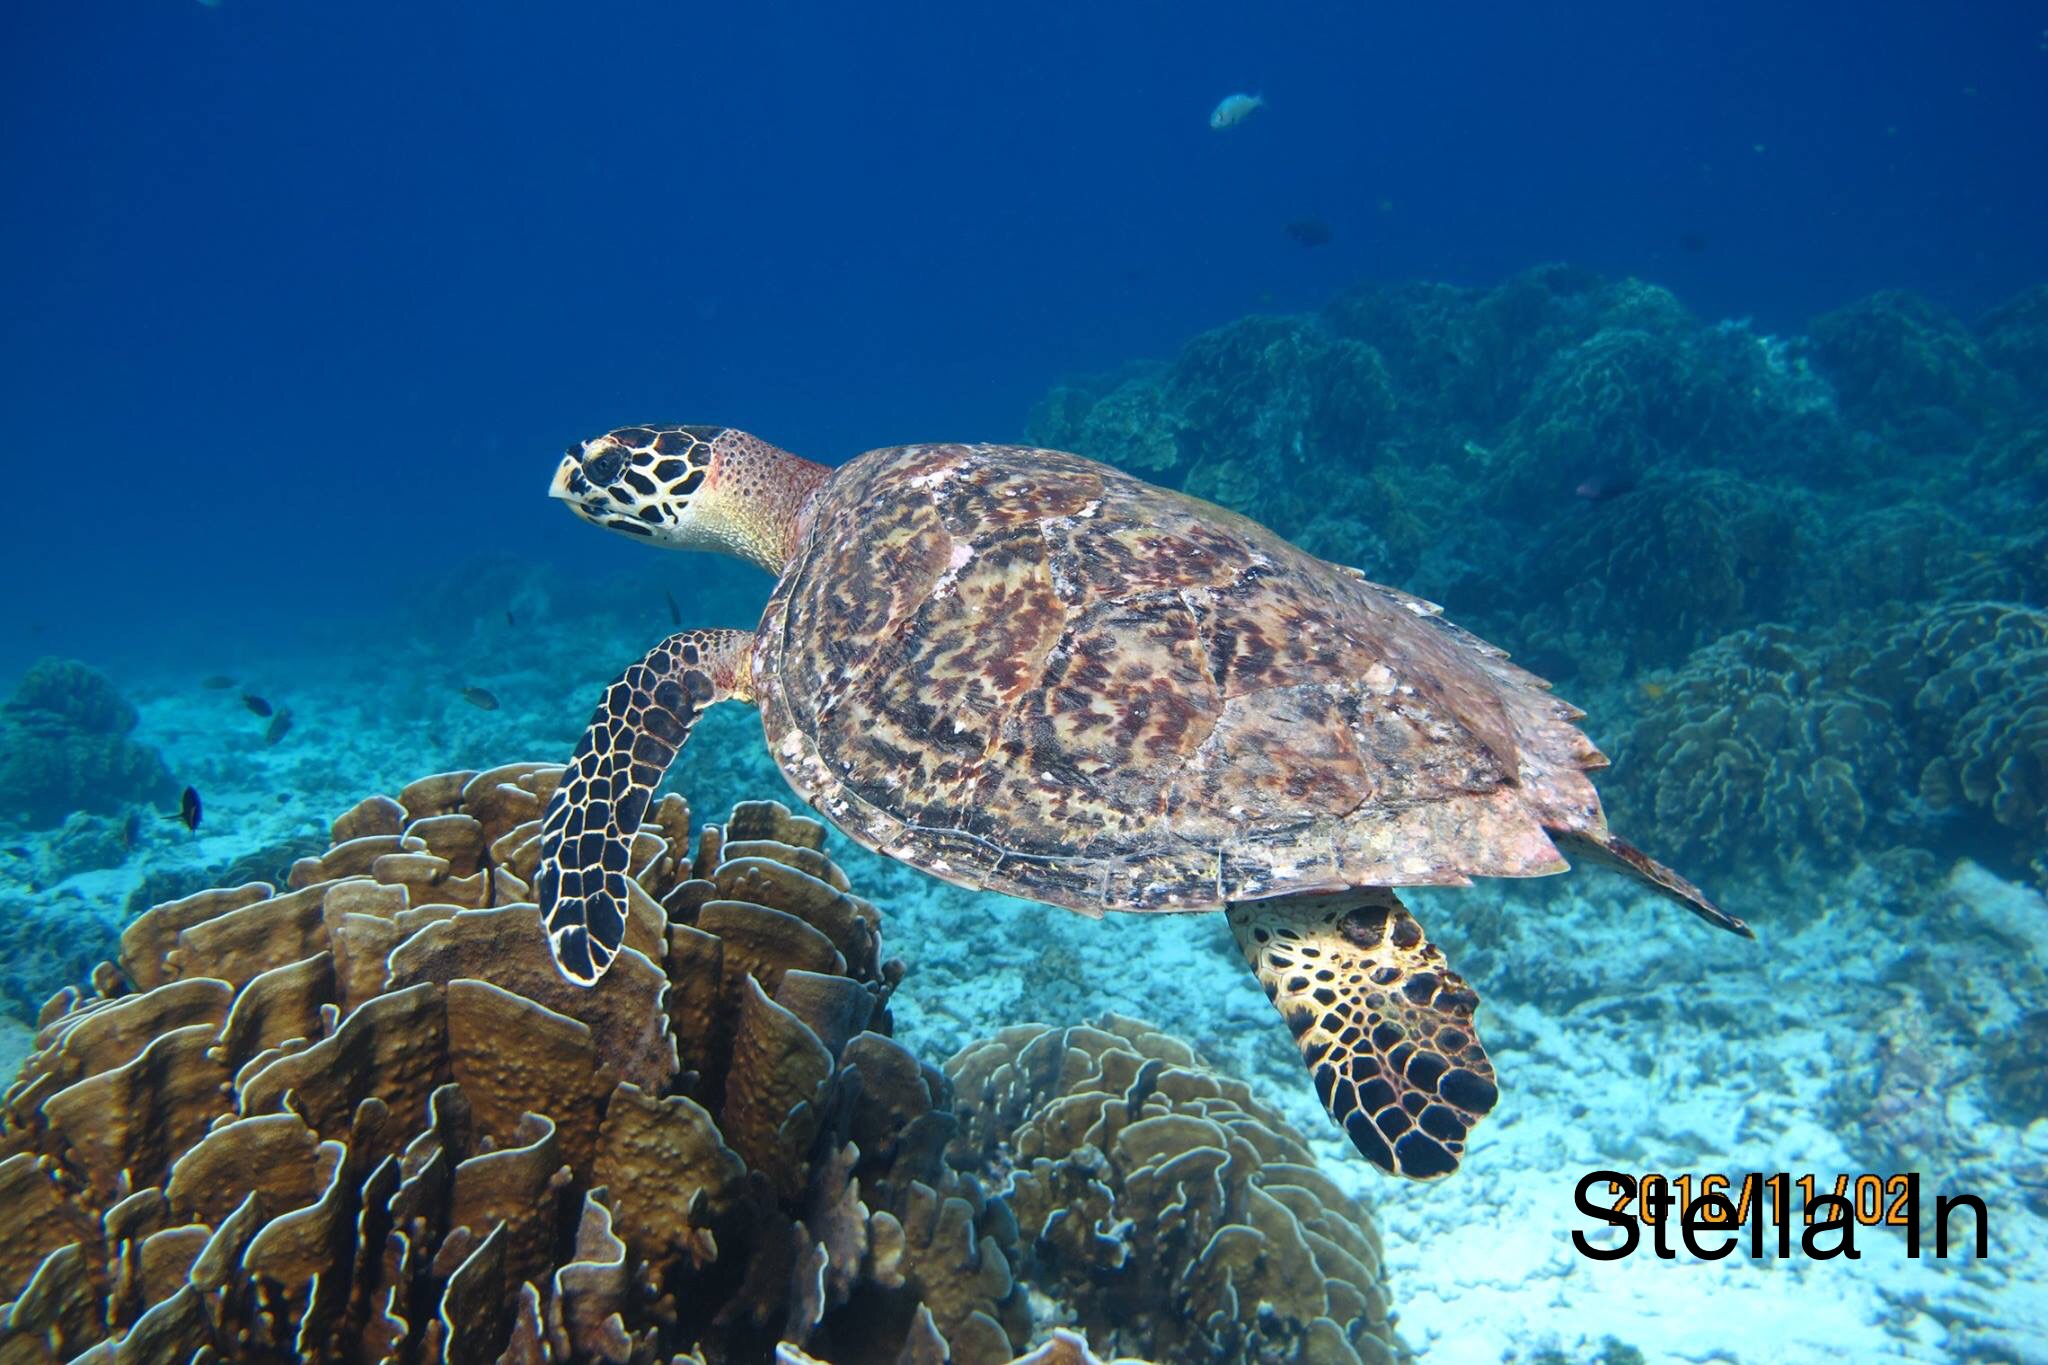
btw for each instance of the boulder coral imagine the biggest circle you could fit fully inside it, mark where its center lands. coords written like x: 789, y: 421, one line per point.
x: 362, y: 1117
x: 65, y: 746
x: 1179, y: 1217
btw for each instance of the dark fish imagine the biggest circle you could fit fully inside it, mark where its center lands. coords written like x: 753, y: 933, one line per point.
x: 1694, y: 242
x: 1309, y: 231
x: 280, y: 726
x: 218, y: 682
x: 131, y: 830
x: 20, y: 850
x: 1610, y: 483
x: 510, y: 621
x: 675, y: 612
x: 479, y: 698
x: 188, y: 808
x: 283, y: 798
x: 256, y: 703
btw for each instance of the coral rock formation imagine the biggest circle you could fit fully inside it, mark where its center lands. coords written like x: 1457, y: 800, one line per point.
x: 364, y: 1118
x: 1181, y: 1218
x: 65, y: 747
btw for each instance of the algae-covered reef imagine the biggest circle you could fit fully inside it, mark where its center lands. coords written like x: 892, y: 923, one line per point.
x: 1798, y: 581
x: 362, y: 1116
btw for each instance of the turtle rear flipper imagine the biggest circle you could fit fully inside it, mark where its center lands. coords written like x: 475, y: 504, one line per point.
x: 587, y: 834
x: 1385, y: 1028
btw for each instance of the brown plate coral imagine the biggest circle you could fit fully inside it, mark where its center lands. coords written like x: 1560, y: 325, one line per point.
x: 1181, y: 1218
x: 364, y: 1119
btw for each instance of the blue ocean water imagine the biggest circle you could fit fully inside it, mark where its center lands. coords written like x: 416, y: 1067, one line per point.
x: 318, y: 281
x: 1698, y: 355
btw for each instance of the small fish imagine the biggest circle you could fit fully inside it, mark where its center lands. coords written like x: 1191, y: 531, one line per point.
x: 1654, y: 690
x: 1694, y: 242
x: 510, y: 621
x: 280, y: 726
x: 256, y: 703
x: 675, y: 612
x: 20, y: 850
x: 131, y: 830
x: 217, y: 682
x: 1235, y: 109
x: 188, y: 808
x: 479, y: 698
x: 1309, y: 231
x: 284, y: 798
x: 1610, y: 483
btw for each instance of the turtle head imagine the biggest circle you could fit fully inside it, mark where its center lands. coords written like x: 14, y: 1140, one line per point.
x: 691, y: 488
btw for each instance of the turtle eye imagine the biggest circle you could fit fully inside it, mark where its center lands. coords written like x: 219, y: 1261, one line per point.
x: 605, y: 468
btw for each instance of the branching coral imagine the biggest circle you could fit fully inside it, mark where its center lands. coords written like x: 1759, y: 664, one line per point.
x: 1182, y: 1218
x: 65, y: 747
x: 364, y: 1118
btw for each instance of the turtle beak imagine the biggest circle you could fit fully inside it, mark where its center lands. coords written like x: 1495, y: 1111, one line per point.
x: 560, y: 483
x: 568, y: 474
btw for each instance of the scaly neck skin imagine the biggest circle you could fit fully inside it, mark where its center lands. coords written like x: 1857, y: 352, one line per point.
x: 756, y: 499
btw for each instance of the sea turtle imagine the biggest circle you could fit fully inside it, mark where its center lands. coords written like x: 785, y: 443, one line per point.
x: 1025, y: 671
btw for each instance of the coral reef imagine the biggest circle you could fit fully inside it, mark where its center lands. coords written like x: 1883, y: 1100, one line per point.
x: 1628, y: 399
x: 1759, y: 754
x: 2017, y: 1063
x: 1180, y: 1218
x: 1972, y: 679
x: 2014, y: 337
x: 1909, y: 370
x: 65, y: 747
x: 1642, y: 579
x: 364, y: 1117
x: 1779, y: 748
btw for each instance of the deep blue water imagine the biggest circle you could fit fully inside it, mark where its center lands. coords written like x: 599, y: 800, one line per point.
x: 297, y: 294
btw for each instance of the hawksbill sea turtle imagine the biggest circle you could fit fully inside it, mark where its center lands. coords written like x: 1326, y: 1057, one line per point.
x: 1024, y: 671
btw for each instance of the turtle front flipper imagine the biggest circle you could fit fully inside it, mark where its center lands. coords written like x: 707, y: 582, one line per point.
x: 1385, y: 1028
x: 586, y: 836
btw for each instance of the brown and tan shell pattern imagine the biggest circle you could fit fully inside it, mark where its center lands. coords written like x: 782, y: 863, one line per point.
x: 1024, y: 670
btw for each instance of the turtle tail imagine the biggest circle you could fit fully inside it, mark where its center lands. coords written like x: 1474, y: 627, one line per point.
x: 586, y: 838
x: 1610, y: 850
